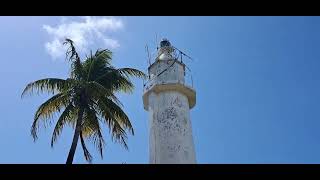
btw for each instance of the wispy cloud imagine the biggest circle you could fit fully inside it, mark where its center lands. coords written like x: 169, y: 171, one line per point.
x: 85, y: 32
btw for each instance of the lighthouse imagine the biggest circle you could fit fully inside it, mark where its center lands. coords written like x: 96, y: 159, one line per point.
x: 168, y: 99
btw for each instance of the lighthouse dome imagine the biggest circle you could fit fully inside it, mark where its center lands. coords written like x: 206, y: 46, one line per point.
x: 165, y: 51
x: 165, y: 43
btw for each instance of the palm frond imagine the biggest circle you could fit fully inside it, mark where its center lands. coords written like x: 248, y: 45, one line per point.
x: 71, y: 53
x: 103, y: 56
x: 116, y: 120
x: 51, y: 85
x: 92, y: 61
x: 69, y: 116
x: 47, y: 109
x: 73, y: 56
x: 95, y: 65
x: 92, y: 130
x: 122, y: 71
x: 116, y: 82
x: 118, y: 79
x: 119, y: 114
x: 98, y: 91
x: 121, y: 83
x: 131, y: 72
x: 86, y: 153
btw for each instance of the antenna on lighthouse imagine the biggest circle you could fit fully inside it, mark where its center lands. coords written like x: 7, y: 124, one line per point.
x: 148, y: 54
x: 157, y: 41
x: 182, y: 53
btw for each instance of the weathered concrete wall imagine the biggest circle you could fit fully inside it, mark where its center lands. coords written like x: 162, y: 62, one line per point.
x: 175, y: 72
x: 171, y: 140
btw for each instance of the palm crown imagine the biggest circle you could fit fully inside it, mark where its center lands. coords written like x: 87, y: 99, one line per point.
x: 86, y: 100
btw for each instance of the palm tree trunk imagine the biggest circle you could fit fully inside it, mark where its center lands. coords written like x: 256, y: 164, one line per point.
x: 75, y: 138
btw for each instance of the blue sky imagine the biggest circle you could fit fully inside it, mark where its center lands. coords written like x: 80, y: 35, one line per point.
x: 257, y: 81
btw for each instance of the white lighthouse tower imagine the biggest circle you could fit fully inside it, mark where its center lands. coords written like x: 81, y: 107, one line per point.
x: 168, y: 99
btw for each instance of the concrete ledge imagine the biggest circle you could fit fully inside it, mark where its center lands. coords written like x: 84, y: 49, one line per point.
x: 157, y: 88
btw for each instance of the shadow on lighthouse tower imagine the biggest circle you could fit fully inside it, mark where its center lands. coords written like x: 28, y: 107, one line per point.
x: 168, y: 99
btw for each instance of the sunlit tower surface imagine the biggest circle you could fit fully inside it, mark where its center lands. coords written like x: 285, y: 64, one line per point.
x: 168, y: 99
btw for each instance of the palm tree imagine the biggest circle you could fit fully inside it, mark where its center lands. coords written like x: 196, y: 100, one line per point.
x: 86, y: 100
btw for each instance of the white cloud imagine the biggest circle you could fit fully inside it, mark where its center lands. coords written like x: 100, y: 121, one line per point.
x: 111, y: 43
x: 86, y: 32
